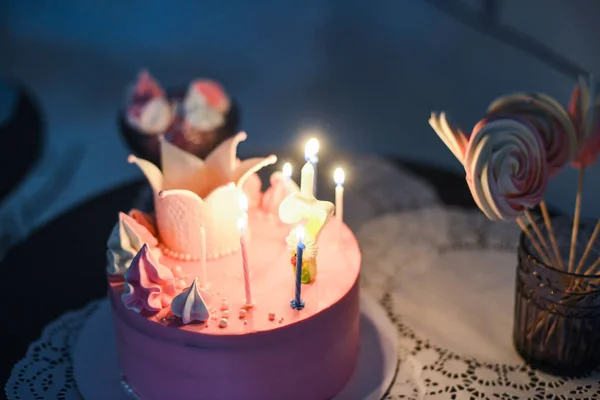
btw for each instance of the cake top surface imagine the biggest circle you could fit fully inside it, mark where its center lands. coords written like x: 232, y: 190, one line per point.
x: 272, y: 279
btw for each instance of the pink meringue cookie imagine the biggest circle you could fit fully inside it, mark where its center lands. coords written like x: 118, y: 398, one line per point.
x: 149, y: 285
x: 584, y: 109
x: 190, y: 306
x: 549, y: 118
x: 506, y: 166
x: 146, y: 220
x: 215, y: 95
x: 148, y: 109
x: 279, y: 189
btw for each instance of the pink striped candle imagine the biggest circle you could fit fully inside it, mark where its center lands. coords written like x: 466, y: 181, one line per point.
x: 242, y: 227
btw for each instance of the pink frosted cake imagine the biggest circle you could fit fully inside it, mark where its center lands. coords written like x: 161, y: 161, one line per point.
x: 206, y: 297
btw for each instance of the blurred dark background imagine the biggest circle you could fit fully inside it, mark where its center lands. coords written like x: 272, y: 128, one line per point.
x: 367, y: 73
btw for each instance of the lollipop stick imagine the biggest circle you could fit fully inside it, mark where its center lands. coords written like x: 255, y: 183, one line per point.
x: 534, y: 242
x: 539, y: 235
x: 594, y: 266
x: 576, y: 219
x: 548, y: 223
x: 588, y: 248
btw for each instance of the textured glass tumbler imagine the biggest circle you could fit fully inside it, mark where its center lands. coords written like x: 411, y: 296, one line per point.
x: 557, y: 313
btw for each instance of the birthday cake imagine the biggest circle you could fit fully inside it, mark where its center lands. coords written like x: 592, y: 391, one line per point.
x: 229, y: 292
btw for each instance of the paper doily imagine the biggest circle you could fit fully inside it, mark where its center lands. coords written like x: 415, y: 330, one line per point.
x: 446, y: 278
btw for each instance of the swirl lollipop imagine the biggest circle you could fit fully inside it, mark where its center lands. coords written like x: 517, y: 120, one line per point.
x: 549, y: 118
x: 506, y: 167
x: 584, y: 108
x: 452, y: 137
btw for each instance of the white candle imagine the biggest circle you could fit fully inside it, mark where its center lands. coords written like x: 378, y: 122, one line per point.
x: 287, y: 174
x: 242, y: 228
x: 204, y: 280
x: 339, y: 177
x: 307, y: 180
x: 310, y: 155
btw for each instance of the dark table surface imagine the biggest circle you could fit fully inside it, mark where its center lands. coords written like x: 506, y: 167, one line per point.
x: 60, y: 267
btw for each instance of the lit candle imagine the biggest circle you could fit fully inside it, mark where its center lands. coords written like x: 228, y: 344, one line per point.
x: 242, y: 227
x: 307, y: 179
x: 339, y: 177
x: 310, y: 155
x: 204, y: 281
x: 297, y: 303
x: 287, y: 173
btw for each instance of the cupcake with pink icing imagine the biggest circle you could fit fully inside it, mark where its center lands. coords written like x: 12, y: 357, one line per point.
x: 196, y: 119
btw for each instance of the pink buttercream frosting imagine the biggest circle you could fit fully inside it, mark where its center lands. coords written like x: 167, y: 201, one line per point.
x: 280, y: 188
x: 506, y: 166
x: 149, y: 285
x: 146, y: 220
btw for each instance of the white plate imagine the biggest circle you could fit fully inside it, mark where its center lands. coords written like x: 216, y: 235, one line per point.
x: 98, y: 378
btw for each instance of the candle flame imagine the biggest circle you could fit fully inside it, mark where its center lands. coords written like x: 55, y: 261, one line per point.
x: 243, y: 202
x: 287, y: 170
x: 311, y: 149
x: 338, y: 176
x: 241, y: 223
x: 300, y: 233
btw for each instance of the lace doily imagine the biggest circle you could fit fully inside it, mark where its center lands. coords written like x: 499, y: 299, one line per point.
x: 446, y: 279
x: 46, y: 372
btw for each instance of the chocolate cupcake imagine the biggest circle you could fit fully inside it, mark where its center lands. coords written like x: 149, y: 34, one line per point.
x: 196, y: 119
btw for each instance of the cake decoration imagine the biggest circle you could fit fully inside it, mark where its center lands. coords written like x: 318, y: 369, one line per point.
x: 303, y: 206
x: 190, y: 192
x: 126, y: 239
x: 271, y: 316
x: 281, y: 187
x: 148, y: 109
x: 243, y: 313
x: 190, y: 306
x: 223, y: 323
x: 149, y: 285
x: 144, y: 219
x: 296, y: 303
x: 339, y: 177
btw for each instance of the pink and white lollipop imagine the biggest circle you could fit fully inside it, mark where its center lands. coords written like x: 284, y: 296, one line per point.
x: 584, y: 109
x: 506, y: 165
x: 549, y: 118
x: 454, y: 138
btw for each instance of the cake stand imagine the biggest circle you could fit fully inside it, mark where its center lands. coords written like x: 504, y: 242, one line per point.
x: 97, y: 373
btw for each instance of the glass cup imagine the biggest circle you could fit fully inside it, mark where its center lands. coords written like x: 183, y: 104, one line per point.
x: 557, y: 309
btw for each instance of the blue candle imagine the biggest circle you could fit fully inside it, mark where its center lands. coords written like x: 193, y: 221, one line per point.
x: 297, y: 302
